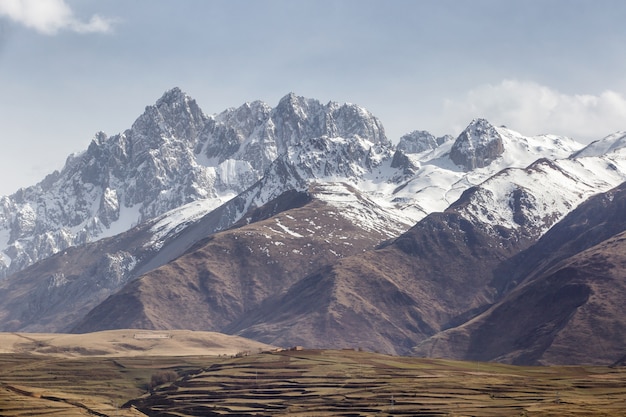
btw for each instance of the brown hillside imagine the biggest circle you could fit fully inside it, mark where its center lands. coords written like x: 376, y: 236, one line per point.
x: 388, y: 299
x: 572, y: 315
x: 233, y: 272
x: 55, y: 293
x: 563, y: 296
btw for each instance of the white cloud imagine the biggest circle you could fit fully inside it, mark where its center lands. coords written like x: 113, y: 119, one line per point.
x: 50, y: 16
x: 531, y: 108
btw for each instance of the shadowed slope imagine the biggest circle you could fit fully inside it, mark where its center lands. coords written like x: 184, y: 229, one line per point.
x: 569, y: 307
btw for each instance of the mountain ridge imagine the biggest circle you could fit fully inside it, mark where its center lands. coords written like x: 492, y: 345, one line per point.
x: 579, y: 283
x: 204, y: 221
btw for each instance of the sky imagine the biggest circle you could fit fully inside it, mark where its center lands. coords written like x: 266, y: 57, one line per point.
x: 71, y: 68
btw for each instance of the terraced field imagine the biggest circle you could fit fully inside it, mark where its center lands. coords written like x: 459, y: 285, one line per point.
x: 348, y: 383
x: 302, y: 383
x: 37, y: 385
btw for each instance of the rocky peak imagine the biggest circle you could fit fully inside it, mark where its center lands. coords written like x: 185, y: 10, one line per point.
x: 420, y: 141
x: 417, y: 141
x: 477, y: 146
x: 175, y: 115
x: 403, y: 162
x: 246, y: 117
x: 296, y: 119
x: 350, y: 120
x: 226, y: 133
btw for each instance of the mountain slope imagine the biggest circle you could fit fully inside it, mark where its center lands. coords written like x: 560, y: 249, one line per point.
x: 568, y: 307
x: 443, y: 271
x: 231, y: 272
x: 387, y: 299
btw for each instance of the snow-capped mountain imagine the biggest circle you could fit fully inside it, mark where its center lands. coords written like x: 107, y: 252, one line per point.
x: 436, y: 181
x: 603, y: 146
x: 444, y: 271
x: 301, y: 177
x: 173, y: 155
x: 564, y: 301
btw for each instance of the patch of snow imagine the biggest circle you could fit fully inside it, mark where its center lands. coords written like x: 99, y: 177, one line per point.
x: 359, y: 209
x: 128, y: 218
x: 4, y: 242
x: 287, y: 230
x: 175, y: 220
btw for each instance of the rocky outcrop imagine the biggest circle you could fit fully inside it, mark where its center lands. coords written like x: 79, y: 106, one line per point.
x: 477, y: 146
x: 420, y: 141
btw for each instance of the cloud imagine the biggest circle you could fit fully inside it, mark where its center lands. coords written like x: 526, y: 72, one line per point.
x: 50, y: 16
x: 531, y: 108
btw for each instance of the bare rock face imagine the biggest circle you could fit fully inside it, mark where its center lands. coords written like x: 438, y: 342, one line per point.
x: 420, y: 141
x: 477, y: 146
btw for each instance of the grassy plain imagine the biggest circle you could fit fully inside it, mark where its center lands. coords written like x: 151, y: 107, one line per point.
x: 301, y: 383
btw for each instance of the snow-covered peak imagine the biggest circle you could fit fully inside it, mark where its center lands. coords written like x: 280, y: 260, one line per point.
x: 297, y: 119
x: 171, y: 97
x: 603, y: 146
x: 477, y: 146
x: 534, y: 198
x: 420, y: 141
x: 520, y: 150
x: 478, y: 132
x: 481, y: 145
x: 175, y: 115
x: 247, y: 114
x: 353, y: 120
x: 301, y: 106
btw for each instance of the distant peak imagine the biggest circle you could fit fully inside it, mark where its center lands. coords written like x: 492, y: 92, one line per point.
x: 175, y: 113
x: 477, y: 146
x: 479, y: 123
x: 291, y: 100
x: 294, y: 104
x: 175, y: 95
x: 417, y: 141
x: 603, y: 146
x: 479, y: 130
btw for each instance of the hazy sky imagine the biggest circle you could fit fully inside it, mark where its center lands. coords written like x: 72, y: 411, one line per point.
x: 71, y: 68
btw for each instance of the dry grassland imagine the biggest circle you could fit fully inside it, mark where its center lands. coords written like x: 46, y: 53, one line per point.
x: 348, y: 383
x: 301, y: 383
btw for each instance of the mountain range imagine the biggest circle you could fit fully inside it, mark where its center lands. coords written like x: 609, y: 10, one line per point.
x: 304, y: 224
